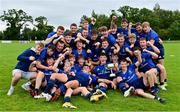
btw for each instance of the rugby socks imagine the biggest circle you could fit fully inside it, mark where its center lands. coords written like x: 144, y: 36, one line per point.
x: 161, y: 83
x: 122, y: 86
x: 103, y: 89
x: 88, y: 95
x: 11, y: 87
x: 67, y: 99
x: 157, y: 98
x: 49, y: 86
x: 63, y: 88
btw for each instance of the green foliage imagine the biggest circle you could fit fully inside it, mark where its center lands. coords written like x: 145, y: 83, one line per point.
x: 42, y: 28
x: 18, y: 20
x: 162, y: 21
x: 15, y: 20
x: 1, y: 35
x: 174, y: 30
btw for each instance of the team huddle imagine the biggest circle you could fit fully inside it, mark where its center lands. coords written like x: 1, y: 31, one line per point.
x: 88, y: 61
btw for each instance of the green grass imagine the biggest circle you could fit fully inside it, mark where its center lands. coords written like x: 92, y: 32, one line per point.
x: 21, y: 100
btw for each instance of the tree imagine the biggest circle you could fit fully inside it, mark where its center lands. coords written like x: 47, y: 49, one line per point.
x: 1, y: 35
x: 174, y: 30
x: 15, y: 20
x: 130, y: 13
x: 42, y: 27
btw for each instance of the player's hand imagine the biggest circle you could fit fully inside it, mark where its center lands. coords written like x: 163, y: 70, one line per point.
x: 32, y: 58
x: 116, y: 65
x: 132, y: 45
x: 149, y: 43
x: 130, y: 25
x: 113, y: 85
x: 136, y: 53
x: 145, y: 50
x: 102, y: 37
x: 93, y: 20
x: 72, y: 73
x: 87, y: 41
x: 34, y: 62
x: 114, y: 18
x: 88, y: 51
x: 50, y: 68
x: 116, y: 51
x: 97, y: 44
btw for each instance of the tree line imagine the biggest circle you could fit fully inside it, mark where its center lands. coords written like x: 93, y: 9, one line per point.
x: 165, y: 22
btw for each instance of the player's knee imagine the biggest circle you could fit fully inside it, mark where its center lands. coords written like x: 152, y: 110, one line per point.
x: 139, y: 91
x: 17, y: 76
x: 82, y: 88
x: 103, y: 85
x: 40, y: 75
x: 53, y: 76
x: 148, y: 73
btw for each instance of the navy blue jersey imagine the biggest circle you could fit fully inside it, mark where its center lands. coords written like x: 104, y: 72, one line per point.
x: 111, y: 39
x: 43, y: 56
x: 77, y: 67
x: 125, y: 32
x: 114, y: 35
x: 74, y: 35
x: 130, y: 75
x: 70, y: 77
x: 122, y: 52
x: 83, y: 53
x: 108, y: 51
x: 147, y: 62
x: 71, y: 44
x: 57, y: 53
x: 90, y: 27
x: 102, y: 71
x: 86, y: 79
x: 139, y: 35
x: 153, y: 35
x: 47, y: 72
x: 94, y: 55
x: 49, y: 36
x: 24, y: 61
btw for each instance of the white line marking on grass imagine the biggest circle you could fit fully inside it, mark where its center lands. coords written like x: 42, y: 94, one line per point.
x: 171, y: 55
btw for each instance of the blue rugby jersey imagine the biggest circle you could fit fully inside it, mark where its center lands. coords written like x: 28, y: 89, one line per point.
x: 130, y: 75
x: 24, y: 61
x: 102, y: 71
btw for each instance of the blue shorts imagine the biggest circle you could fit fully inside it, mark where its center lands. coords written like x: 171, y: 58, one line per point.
x: 46, y: 77
x: 158, y: 69
x: 138, y: 84
x: 58, y: 83
x: 83, y: 83
x: 161, y: 54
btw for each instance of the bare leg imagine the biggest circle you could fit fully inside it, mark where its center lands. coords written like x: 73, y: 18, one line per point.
x: 142, y: 93
x: 15, y: 79
x: 39, y: 79
x: 60, y: 77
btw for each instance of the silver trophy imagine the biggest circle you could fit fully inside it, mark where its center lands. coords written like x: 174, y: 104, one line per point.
x: 111, y: 66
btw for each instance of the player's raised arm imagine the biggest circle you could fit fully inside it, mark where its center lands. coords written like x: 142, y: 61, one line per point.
x: 153, y: 54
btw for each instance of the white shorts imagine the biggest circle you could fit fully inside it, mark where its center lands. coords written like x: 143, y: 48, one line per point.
x: 24, y: 75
